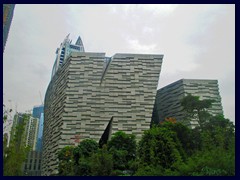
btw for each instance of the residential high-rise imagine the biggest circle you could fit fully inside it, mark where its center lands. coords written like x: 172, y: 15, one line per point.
x: 167, y: 103
x: 88, y: 90
x: 32, y: 132
x: 32, y: 165
x: 28, y: 138
x: 65, y: 49
x: 8, y: 10
x: 30, y: 124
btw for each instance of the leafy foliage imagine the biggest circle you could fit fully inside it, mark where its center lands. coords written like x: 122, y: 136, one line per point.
x: 183, y: 133
x: 122, y: 141
x: 214, y: 162
x: 82, y: 154
x: 194, y: 107
x: 167, y: 149
x: 85, y: 149
x: 65, y: 157
x: 102, y: 163
x: 122, y: 146
x: 149, y: 170
x: 75, y: 160
x: 83, y: 168
x: 15, y: 155
x: 160, y: 146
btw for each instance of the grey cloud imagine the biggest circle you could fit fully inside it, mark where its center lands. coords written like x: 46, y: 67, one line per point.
x: 198, y: 41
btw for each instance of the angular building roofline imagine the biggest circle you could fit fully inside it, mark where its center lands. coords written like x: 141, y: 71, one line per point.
x: 182, y: 80
x: 136, y: 54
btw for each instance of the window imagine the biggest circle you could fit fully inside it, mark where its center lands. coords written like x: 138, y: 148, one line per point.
x: 75, y: 47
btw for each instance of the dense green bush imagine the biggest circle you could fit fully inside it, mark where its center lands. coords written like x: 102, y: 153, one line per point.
x: 102, y: 163
x: 122, y: 146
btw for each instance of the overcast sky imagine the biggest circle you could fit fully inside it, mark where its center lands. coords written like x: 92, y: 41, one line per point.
x: 198, y: 41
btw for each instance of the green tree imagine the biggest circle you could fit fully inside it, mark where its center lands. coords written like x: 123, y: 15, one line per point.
x: 184, y: 135
x: 85, y: 149
x: 123, y: 148
x: 5, y: 142
x: 219, y: 132
x: 101, y: 163
x: 216, y: 155
x: 196, y: 108
x: 66, y: 161
x: 149, y: 170
x: 214, y: 162
x: 160, y: 146
x: 83, y: 168
x: 16, y: 153
x: 6, y: 113
x: 82, y: 154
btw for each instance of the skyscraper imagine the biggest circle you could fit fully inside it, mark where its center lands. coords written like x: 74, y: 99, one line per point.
x: 40, y: 133
x: 167, y: 103
x: 65, y: 49
x: 38, y: 112
x: 88, y: 90
x: 8, y: 10
x: 32, y: 165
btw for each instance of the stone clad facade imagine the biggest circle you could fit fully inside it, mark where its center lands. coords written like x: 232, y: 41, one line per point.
x: 167, y: 103
x: 88, y: 90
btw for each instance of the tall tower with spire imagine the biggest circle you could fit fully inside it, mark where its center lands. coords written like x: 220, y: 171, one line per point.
x: 65, y: 49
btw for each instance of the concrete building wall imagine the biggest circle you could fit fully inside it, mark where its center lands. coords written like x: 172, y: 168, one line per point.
x: 168, y: 98
x: 88, y: 90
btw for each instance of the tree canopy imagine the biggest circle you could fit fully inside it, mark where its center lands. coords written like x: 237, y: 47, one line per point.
x: 15, y: 154
x: 194, y: 107
x: 169, y: 148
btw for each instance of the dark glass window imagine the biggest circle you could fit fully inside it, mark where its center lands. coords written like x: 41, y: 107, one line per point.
x: 74, y: 47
